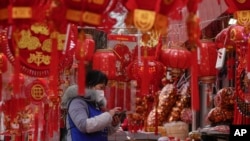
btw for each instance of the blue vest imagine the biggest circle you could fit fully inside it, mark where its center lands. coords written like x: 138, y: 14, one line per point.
x: 77, y: 135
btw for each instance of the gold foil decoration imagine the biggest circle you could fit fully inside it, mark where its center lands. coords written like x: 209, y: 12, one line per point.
x: 39, y: 58
x: 28, y: 41
x: 37, y: 92
x: 243, y: 19
x: 161, y: 24
x: 3, y: 14
x: 87, y: 17
x: 144, y: 19
x: 40, y: 29
x: 241, y: 1
x: 99, y: 2
x: 91, y: 18
x: 21, y: 12
x: 73, y: 15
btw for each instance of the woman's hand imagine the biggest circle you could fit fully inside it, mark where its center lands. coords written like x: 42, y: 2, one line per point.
x: 114, y: 111
x: 116, y: 120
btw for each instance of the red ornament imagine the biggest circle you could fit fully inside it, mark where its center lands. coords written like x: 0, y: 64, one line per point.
x: 146, y: 71
x: 3, y: 69
x: 85, y: 48
x: 3, y: 63
x: 176, y: 57
x: 222, y: 38
x: 235, y: 5
x: 237, y: 34
x: 150, y: 51
x: 123, y: 59
x: 208, y: 57
x: 105, y: 61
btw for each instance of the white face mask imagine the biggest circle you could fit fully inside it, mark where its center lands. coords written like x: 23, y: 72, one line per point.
x: 100, y: 98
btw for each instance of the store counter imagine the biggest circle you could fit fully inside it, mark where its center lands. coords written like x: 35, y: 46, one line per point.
x: 138, y: 136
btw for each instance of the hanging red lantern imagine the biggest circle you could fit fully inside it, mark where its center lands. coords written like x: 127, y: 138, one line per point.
x: 176, y: 57
x: 208, y: 56
x: 85, y: 48
x: 146, y: 71
x: 105, y: 61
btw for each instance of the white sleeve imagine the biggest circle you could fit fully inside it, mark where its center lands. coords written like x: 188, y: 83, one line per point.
x: 98, y: 123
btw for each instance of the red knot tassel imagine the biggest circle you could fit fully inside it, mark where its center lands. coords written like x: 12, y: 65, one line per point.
x: 248, y: 55
x: 195, y: 98
x: 54, y: 67
x: 16, y: 77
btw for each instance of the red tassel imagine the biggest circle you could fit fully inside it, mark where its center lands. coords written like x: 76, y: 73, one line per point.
x: 248, y: 55
x: 16, y: 77
x: 128, y: 98
x: 195, y: 98
x: 120, y: 95
x: 145, y: 80
x: 1, y: 83
x: 54, y: 68
x: 35, y: 137
x: 81, y: 77
x: 10, y: 18
x: 111, y: 94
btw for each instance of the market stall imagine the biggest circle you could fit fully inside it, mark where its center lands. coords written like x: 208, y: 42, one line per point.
x: 180, y: 89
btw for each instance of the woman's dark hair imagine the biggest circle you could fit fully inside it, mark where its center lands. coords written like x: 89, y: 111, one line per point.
x: 95, y: 77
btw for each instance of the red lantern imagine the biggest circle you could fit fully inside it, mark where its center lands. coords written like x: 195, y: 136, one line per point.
x: 208, y: 57
x: 105, y: 61
x: 176, y: 57
x: 85, y: 49
x: 146, y: 70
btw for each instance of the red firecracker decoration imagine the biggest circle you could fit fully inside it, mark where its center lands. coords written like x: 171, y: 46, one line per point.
x: 105, y: 61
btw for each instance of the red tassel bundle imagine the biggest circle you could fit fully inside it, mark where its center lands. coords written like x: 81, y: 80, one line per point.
x: 54, y: 67
x: 195, y: 98
x: 3, y: 69
x: 248, y: 55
